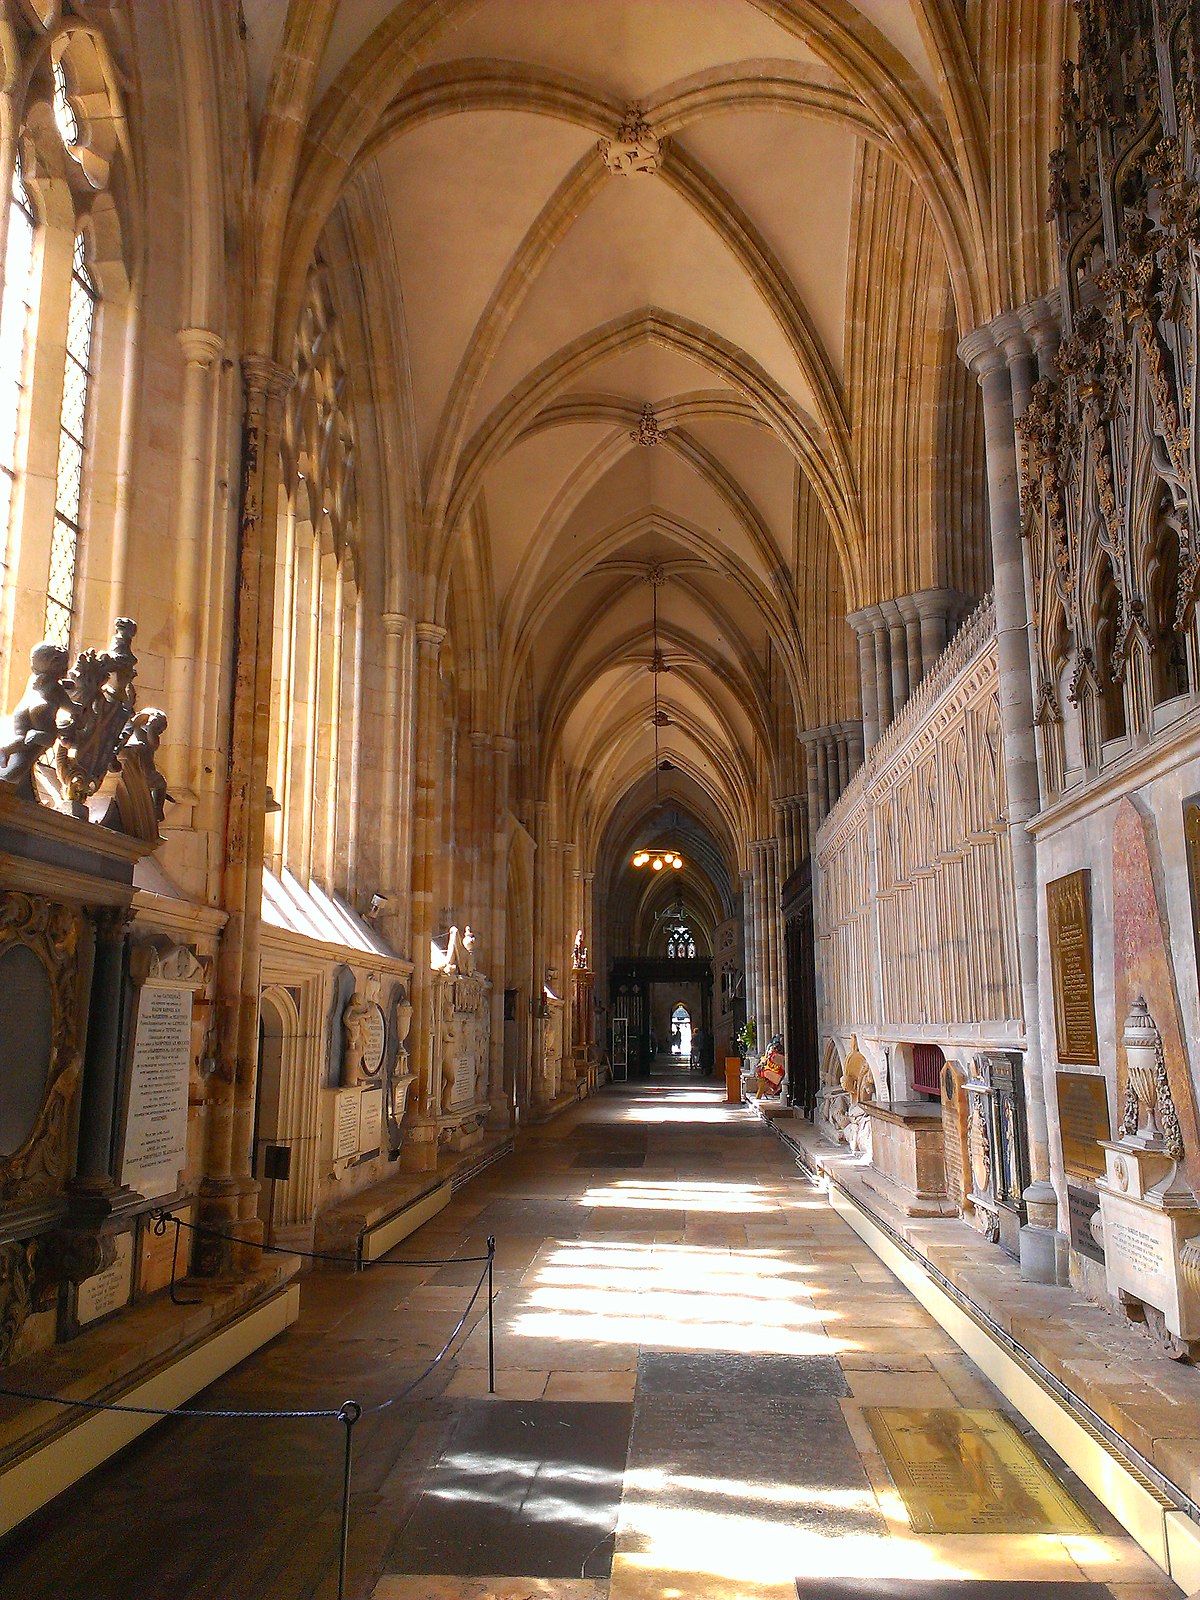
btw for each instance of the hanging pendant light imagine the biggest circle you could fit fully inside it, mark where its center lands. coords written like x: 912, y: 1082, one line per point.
x: 657, y: 859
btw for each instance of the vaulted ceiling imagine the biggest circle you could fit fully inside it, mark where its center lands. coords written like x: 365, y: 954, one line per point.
x: 735, y: 362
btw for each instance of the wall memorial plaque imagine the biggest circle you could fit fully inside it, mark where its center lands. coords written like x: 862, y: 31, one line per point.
x: 156, y: 1127
x: 109, y: 1290
x: 374, y: 1040
x: 1069, y: 913
x: 346, y: 1124
x: 1082, y: 1122
x: 370, y: 1124
x: 1082, y: 1206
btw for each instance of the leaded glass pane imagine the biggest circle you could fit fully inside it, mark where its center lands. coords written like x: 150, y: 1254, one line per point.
x: 14, y: 325
x: 75, y: 382
x: 65, y: 119
x: 64, y: 546
x: 60, y: 589
x: 70, y: 476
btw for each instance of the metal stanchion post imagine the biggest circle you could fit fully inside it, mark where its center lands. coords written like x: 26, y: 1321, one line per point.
x: 348, y: 1415
x: 491, y: 1247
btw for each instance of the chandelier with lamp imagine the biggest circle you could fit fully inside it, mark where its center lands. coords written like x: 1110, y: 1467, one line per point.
x: 657, y: 858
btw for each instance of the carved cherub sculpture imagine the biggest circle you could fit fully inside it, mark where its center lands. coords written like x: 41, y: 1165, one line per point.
x: 145, y: 736
x: 43, y: 712
x: 355, y: 1022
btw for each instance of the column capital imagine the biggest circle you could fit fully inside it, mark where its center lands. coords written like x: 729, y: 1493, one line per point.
x: 429, y: 634
x: 200, y: 346
x: 865, y: 621
x: 265, y: 377
x: 980, y: 351
x: 394, y: 623
x: 504, y: 744
x: 1042, y: 320
x: 588, y: 877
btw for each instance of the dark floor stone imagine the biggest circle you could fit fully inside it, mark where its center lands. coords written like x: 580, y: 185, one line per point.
x: 524, y: 1489
x: 945, y: 1589
x: 768, y: 1377
x: 605, y: 1160
x: 793, y: 1460
x: 558, y: 1219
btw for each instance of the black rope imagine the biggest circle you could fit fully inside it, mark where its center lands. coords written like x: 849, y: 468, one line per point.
x: 338, y: 1413
x: 163, y: 1411
x: 161, y: 1218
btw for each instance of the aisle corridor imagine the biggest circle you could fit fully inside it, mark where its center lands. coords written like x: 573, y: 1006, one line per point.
x: 688, y: 1342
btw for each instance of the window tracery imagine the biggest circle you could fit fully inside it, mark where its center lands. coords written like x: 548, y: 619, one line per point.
x: 681, y: 946
x: 318, y: 605
x: 14, y: 327
x: 72, y: 449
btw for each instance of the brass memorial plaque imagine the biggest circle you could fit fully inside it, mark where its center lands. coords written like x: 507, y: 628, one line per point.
x: 1069, y: 912
x: 966, y: 1471
x: 1082, y: 1122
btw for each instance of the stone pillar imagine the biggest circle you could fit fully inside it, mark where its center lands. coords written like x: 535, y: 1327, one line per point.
x: 775, y: 953
x: 394, y: 923
x: 989, y: 351
x: 201, y: 349
x: 822, y: 776
x: 227, y: 1191
x: 748, y: 952
x: 863, y: 623
x: 419, y: 1151
x: 502, y: 750
x: 933, y: 619
x: 812, y: 793
x: 883, y: 674
x: 95, y: 1189
x: 912, y: 641
x: 843, y: 755
x: 897, y: 648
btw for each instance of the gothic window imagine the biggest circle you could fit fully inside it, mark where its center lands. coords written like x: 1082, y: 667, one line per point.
x: 72, y: 448
x: 315, y: 734
x: 681, y: 946
x: 14, y: 326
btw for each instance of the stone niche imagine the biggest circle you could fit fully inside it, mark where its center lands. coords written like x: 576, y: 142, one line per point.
x: 461, y: 1041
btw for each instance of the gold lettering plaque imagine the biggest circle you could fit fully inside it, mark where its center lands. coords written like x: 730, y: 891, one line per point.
x: 967, y: 1471
x: 1082, y: 1122
x: 1069, y: 912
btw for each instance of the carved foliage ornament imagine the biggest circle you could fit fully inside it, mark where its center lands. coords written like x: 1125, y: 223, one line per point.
x: 636, y: 148
x: 1108, y: 468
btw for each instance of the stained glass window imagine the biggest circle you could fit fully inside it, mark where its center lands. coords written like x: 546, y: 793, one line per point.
x: 14, y: 324
x: 64, y: 544
x: 680, y: 945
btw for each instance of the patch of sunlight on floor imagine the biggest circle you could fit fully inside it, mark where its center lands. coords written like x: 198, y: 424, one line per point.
x: 685, y: 1296
x: 650, y: 1480
x: 723, y: 1199
x: 738, y: 1546
x: 674, y: 1112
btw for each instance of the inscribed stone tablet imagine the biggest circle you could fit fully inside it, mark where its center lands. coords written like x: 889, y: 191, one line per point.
x: 1069, y: 912
x: 374, y: 1040
x: 346, y: 1124
x: 1082, y: 1206
x: 1083, y: 1122
x: 156, y: 1130
x: 108, y: 1290
x: 370, y: 1122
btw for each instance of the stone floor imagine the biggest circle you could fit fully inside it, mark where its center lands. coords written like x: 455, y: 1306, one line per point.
x: 687, y: 1337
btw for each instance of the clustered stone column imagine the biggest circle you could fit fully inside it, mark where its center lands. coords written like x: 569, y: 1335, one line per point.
x: 833, y: 755
x: 898, y: 642
x: 228, y: 1191
x: 764, y: 954
x: 1002, y: 356
x: 419, y: 1151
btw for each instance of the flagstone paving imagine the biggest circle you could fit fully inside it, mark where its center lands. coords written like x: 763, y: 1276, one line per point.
x: 686, y: 1337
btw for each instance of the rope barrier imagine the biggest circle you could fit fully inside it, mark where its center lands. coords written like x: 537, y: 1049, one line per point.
x: 162, y: 1217
x: 348, y: 1413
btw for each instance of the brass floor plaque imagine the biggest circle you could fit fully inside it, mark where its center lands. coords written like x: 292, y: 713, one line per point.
x: 966, y: 1471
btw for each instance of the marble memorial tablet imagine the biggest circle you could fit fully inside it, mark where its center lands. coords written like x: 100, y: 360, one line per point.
x: 370, y: 1122
x: 346, y: 1124
x: 1083, y: 1122
x: 374, y: 1040
x: 156, y: 1128
x: 108, y: 1290
x: 1069, y: 914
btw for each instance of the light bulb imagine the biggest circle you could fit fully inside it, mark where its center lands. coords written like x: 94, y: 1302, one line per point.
x: 677, y: 863
x: 657, y: 864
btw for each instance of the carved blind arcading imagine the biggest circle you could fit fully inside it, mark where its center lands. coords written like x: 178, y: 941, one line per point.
x: 1109, y: 470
